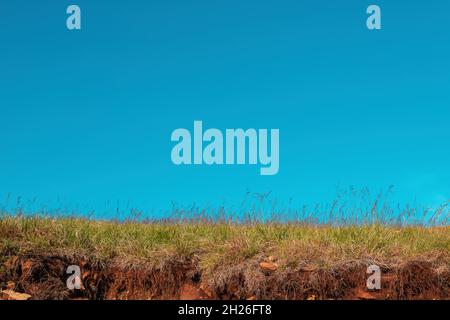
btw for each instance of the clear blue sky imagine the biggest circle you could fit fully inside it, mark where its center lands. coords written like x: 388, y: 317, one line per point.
x: 86, y: 116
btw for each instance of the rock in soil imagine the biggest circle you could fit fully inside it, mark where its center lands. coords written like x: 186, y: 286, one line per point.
x: 12, y: 295
x: 268, y: 266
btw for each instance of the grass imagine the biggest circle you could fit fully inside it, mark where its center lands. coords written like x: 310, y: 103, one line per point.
x: 219, y: 244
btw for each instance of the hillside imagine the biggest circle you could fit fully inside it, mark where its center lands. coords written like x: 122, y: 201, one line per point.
x: 132, y: 260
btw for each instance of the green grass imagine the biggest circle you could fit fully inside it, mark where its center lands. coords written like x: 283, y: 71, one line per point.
x: 219, y: 244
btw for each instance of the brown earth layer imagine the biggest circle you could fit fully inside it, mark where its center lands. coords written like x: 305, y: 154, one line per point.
x: 43, y: 276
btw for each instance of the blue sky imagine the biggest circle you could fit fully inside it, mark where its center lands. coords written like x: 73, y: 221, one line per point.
x: 86, y: 116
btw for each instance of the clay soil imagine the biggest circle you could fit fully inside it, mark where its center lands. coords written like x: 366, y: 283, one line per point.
x: 44, y: 276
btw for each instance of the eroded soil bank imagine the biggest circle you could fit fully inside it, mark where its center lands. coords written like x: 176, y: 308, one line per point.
x: 44, y: 276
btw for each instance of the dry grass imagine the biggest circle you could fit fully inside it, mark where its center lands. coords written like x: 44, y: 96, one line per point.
x: 216, y: 244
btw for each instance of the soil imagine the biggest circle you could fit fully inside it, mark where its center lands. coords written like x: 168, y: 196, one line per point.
x: 44, y: 276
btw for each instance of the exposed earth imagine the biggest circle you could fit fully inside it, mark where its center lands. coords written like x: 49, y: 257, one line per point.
x: 44, y: 276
